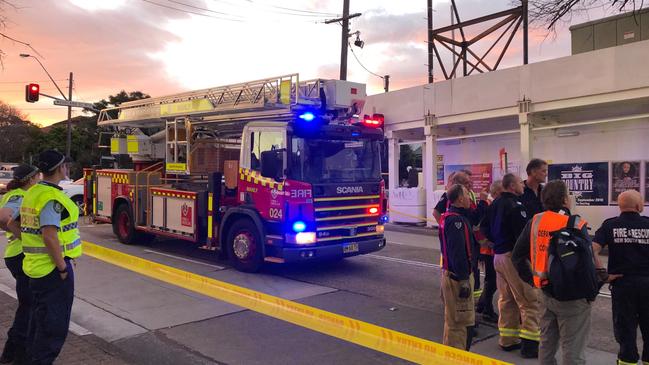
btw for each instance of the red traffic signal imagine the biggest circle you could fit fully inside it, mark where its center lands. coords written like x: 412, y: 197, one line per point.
x: 32, y: 92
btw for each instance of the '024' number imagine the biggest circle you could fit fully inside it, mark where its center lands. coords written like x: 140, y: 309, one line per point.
x: 275, y: 213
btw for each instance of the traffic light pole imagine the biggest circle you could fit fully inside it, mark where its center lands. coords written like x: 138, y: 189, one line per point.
x: 68, y: 143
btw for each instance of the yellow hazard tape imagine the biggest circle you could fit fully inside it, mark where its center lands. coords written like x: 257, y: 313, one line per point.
x: 361, y: 333
x: 390, y: 210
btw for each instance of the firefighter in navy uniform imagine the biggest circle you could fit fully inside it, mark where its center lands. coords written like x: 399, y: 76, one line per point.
x: 458, y: 245
x: 518, y: 302
x: 50, y: 237
x: 627, y: 238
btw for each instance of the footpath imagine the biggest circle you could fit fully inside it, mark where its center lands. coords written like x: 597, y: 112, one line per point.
x: 78, y: 350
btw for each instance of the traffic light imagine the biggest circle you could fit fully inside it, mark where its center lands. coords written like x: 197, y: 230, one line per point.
x: 32, y: 92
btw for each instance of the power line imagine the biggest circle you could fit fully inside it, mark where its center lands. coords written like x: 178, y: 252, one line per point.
x: 189, y: 11
x: 360, y: 63
x: 280, y: 10
x: 320, y: 13
x: 27, y: 82
x: 199, y: 8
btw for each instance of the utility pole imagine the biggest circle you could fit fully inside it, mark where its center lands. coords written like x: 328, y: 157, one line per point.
x: 344, y: 41
x: 344, y: 37
x: 430, y: 41
x: 69, y: 138
x: 525, y: 31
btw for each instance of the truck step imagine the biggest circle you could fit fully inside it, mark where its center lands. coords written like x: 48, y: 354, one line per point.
x: 277, y: 260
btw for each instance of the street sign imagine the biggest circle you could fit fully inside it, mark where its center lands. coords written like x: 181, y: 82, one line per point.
x: 74, y: 104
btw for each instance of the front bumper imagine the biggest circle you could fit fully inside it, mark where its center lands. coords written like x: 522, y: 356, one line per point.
x: 335, y: 251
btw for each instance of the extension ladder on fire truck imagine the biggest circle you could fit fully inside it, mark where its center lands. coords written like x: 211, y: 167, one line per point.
x: 271, y: 97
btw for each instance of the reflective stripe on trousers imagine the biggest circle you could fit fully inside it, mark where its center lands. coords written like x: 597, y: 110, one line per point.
x: 509, y: 332
x: 36, y: 250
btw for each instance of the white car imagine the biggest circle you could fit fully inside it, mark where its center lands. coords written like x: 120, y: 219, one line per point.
x: 5, y: 177
x: 74, y: 190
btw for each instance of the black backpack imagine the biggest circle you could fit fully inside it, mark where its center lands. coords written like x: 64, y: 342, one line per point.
x: 571, y: 271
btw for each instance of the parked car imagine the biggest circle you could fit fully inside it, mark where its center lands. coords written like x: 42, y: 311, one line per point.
x: 5, y: 177
x: 74, y: 190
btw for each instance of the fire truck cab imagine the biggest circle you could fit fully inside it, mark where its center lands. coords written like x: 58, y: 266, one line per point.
x: 274, y: 170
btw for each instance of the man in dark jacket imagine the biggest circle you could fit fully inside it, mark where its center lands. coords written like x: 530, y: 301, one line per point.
x: 458, y: 245
x: 518, y: 302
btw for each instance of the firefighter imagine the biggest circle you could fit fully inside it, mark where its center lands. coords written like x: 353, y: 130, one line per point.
x: 563, y: 323
x: 51, y: 241
x: 627, y: 238
x: 457, y: 278
x: 476, y: 213
x: 24, y: 177
x: 485, y: 302
x: 518, y: 302
x: 537, y: 172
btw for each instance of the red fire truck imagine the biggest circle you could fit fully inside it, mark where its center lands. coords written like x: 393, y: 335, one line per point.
x: 275, y: 170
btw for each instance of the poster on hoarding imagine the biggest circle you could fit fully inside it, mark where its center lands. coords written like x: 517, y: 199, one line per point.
x: 625, y: 176
x: 481, y: 174
x: 588, y: 182
x: 646, y: 182
x: 441, y: 183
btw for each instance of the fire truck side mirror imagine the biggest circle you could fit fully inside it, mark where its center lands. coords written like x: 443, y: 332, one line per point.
x: 272, y: 164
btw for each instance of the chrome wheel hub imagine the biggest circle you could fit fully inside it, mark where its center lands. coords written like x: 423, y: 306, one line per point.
x: 241, y: 245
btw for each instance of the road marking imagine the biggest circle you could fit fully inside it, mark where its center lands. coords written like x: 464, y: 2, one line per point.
x: 403, y: 261
x: 74, y: 327
x: 184, y: 259
x: 378, y: 338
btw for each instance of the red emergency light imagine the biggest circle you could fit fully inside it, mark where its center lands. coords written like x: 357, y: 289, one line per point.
x: 373, y: 210
x: 375, y: 121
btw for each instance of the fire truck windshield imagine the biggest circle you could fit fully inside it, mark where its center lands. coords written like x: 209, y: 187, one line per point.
x: 331, y: 161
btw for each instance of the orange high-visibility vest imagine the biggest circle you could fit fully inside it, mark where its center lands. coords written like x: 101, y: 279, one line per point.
x: 543, y: 224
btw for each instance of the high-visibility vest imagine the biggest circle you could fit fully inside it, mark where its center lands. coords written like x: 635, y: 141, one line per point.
x: 14, y: 246
x: 543, y: 224
x: 37, y: 262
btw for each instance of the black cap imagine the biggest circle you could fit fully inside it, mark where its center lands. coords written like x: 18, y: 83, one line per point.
x: 24, y: 172
x: 49, y: 160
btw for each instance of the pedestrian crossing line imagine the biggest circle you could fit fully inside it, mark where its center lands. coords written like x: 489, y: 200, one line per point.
x: 365, y: 334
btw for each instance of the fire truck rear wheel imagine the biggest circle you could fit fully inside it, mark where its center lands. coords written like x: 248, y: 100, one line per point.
x: 244, y: 246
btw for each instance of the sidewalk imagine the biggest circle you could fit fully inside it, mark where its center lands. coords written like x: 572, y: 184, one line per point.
x: 78, y: 350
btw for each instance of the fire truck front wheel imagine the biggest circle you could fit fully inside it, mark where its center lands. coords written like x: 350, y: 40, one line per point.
x: 244, y: 246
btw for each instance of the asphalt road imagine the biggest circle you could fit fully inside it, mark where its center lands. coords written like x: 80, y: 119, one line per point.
x: 157, y: 323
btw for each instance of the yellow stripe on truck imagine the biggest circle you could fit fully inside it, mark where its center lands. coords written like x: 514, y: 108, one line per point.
x: 378, y: 338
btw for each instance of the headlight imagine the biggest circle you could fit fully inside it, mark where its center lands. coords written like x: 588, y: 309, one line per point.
x: 305, y: 238
x: 301, y: 238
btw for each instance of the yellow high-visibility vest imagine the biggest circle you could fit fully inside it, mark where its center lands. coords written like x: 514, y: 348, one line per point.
x: 37, y: 262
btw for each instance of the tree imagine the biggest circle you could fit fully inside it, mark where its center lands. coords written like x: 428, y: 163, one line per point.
x: 16, y: 134
x: 4, y: 19
x: 550, y: 12
x: 119, y: 98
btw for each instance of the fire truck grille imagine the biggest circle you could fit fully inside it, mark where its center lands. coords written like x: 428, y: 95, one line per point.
x: 346, y: 218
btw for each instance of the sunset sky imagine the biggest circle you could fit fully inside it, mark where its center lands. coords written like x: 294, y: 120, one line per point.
x: 159, y: 47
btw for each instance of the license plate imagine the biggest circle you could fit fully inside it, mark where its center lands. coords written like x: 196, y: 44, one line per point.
x: 351, y: 247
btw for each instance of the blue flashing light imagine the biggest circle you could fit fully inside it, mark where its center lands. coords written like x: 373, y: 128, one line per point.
x: 307, y: 116
x: 299, y: 226
x: 356, y: 134
x: 384, y: 219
